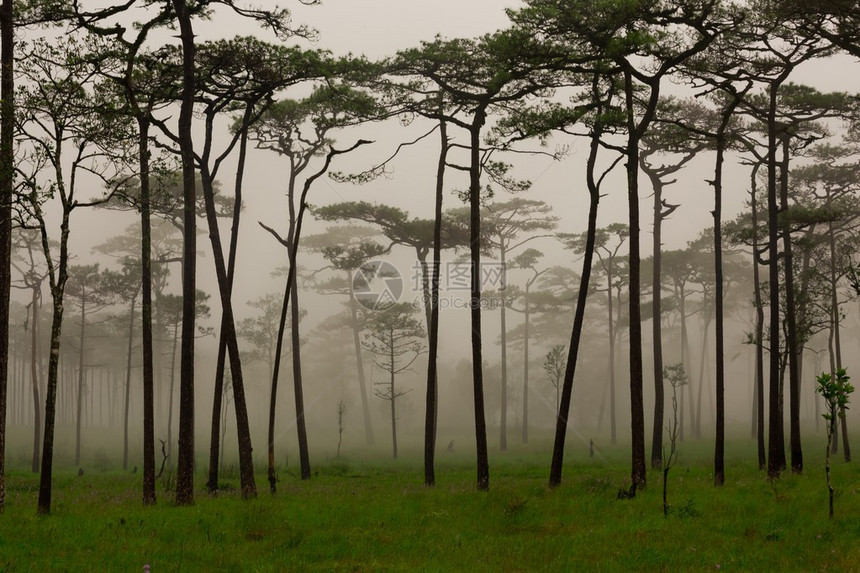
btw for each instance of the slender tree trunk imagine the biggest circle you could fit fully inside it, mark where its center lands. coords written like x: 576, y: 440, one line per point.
x: 34, y: 378
x: 301, y: 429
x: 171, y: 392
x: 127, y: 386
x: 359, y: 362
x: 837, y: 340
x: 791, y: 318
x: 656, y: 325
x: 80, y: 401
x: 703, y: 359
x: 637, y: 407
x: 776, y: 439
x: 44, y: 503
x: 185, y: 462
x: 393, y: 394
x: 526, y: 368
x: 759, y: 325
x: 831, y: 352
x: 243, y: 433
x: 720, y: 432
x: 149, y: 497
x: 7, y: 126
x: 685, y: 359
x: 217, y: 400
x: 431, y: 401
x: 503, y: 422
x: 214, y: 449
x: 483, y: 464
x: 612, y: 332
x: 224, y: 409
x: 563, y: 409
x: 273, y: 392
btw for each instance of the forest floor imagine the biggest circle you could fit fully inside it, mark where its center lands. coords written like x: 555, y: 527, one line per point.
x: 375, y: 515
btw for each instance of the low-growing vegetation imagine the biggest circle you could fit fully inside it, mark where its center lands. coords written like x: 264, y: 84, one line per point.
x: 377, y: 516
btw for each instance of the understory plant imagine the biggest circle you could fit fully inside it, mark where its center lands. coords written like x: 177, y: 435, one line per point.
x: 835, y: 389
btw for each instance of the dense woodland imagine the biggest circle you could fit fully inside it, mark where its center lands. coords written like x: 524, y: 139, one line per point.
x: 581, y: 318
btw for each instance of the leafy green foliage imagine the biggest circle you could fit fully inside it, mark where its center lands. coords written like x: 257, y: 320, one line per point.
x: 836, y: 391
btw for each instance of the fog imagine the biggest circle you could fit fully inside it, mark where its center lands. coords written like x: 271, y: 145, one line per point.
x: 378, y: 28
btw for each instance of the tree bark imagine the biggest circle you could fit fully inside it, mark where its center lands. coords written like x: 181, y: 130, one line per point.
x: 656, y: 324
x: 149, y: 497
x: 393, y: 394
x: 301, y: 426
x: 246, y: 462
x: 526, y: 366
x: 7, y: 119
x: 483, y: 465
x: 127, y: 400
x: 80, y: 398
x: 503, y: 422
x: 563, y: 410
x: 185, y: 462
x: 776, y: 447
x: 637, y: 407
x: 759, y: 327
x: 431, y: 400
x: 359, y: 362
x: 790, y: 309
x: 215, y: 451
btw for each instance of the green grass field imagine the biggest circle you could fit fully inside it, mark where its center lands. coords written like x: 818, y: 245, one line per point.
x: 376, y: 516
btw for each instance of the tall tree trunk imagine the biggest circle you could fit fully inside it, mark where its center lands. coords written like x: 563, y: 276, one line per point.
x: 563, y: 410
x: 685, y: 359
x: 393, y: 394
x: 243, y: 433
x: 301, y: 426
x: 759, y: 323
x: 612, y: 335
x: 146, y: 317
x: 293, y: 247
x: 359, y: 362
x: 483, y: 464
x: 837, y: 340
x: 57, y: 277
x: 792, y: 345
x: 656, y: 324
x: 214, y: 448
x: 637, y: 406
x: 526, y: 367
x: 170, y: 392
x: 7, y: 125
x: 431, y: 401
x: 273, y: 393
x: 217, y: 400
x: 80, y: 398
x: 503, y: 422
x: 185, y: 461
x: 127, y: 400
x: 776, y: 436
x: 44, y: 503
x: 720, y: 437
x: 703, y: 359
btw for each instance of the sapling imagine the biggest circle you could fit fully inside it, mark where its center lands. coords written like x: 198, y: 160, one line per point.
x: 835, y: 391
x: 677, y: 377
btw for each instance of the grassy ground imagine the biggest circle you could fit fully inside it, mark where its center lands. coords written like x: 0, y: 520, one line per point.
x: 376, y: 516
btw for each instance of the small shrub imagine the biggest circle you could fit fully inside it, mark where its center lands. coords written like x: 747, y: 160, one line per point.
x: 687, y: 509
